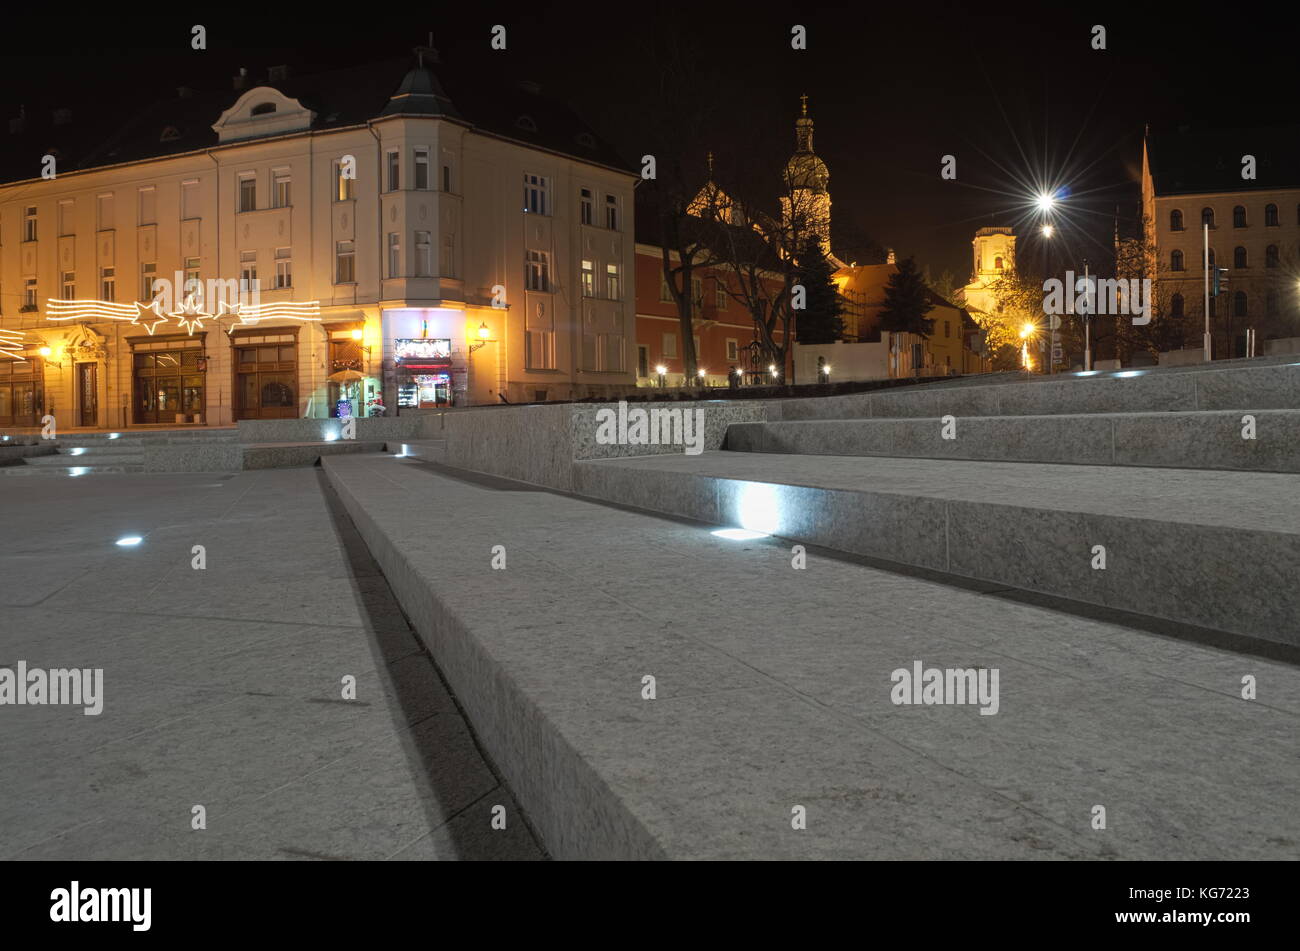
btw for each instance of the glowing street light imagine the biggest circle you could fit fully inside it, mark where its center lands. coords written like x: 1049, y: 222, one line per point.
x: 1048, y: 231
x: 1045, y: 202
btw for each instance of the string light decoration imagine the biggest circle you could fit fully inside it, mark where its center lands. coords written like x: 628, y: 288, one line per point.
x: 189, y: 317
x: 11, y: 344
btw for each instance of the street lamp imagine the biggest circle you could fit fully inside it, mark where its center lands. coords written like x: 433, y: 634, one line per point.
x: 484, y: 337
x: 826, y: 371
x: 662, y: 371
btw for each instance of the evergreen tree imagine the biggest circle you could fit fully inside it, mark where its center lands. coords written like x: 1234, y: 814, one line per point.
x: 907, y: 301
x: 821, y: 321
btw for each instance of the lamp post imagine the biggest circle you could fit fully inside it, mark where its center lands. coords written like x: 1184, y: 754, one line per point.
x: 662, y: 371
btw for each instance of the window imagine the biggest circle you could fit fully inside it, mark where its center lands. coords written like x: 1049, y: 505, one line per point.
x: 423, y: 254
x: 29, y: 293
x: 281, y: 195
x: 394, y: 170
x: 697, y: 294
x: 1239, y: 304
x: 588, y: 278
x: 344, y: 188
x: 248, y: 270
x: 947, y: 328
x: 539, y: 336
x: 611, y: 212
x: 148, y: 206
x: 69, y: 285
x: 665, y: 294
x: 1175, y: 260
x: 448, y: 255
x: 446, y: 178
x: 733, y: 349
x: 29, y: 223
x: 1270, y: 303
x: 66, y: 209
x: 1271, y: 256
x: 283, y: 267
x: 670, y: 345
x: 997, y: 263
x: 1270, y: 216
x: 262, y: 109
x: 1175, y: 220
x: 192, y: 284
x: 422, y: 169
x: 1239, y: 216
x: 537, y: 271
x: 1239, y: 256
x: 107, y: 284
x: 394, y: 254
x: 1176, y: 306
x: 147, y: 274
x: 720, y: 295
x: 345, y: 262
x: 247, y: 192
x: 642, y: 360
x: 585, y: 205
x: 536, y: 190
x: 1207, y: 217
x: 613, y: 282
x: 105, y: 212
x: 189, y: 199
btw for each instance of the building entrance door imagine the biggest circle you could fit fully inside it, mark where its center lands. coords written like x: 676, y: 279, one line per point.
x: 88, y: 393
x: 265, y: 381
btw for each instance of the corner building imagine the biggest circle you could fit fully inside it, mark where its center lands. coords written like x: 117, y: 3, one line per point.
x: 455, y: 241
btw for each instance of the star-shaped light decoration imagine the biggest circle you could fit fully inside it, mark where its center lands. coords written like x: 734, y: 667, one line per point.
x: 190, y: 317
x: 148, y: 316
x: 233, y: 310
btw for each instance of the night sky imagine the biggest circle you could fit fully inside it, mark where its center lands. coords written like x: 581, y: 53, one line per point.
x: 1019, y: 98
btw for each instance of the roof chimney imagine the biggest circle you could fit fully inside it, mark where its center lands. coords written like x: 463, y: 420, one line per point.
x: 277, y: 74
x: 184, y: 92
x: 241, y: 81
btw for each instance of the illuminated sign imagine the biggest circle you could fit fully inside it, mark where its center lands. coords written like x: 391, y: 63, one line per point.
x: 422, y: 351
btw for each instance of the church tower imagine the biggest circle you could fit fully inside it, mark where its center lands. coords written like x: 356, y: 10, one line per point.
x: 806, y: 204
x: 995, y: 255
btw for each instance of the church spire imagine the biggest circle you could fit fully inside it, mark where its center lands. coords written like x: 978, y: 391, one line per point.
x: 803, y: 129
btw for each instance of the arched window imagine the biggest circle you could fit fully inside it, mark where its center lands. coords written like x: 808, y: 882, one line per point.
x: 526, y: 123
x: 263, y: 109
x: 1239, y: 216
x: 1239, y: 256
x: 1270, y: 303
x: 1175, y: 220
x: 1239, y: 304
x: 1176, y: 305
x: 1175, y: 260
x: 1270, y: 216
x: 1271, y: 256
x: 1207, y: 217
x: 997, y: 264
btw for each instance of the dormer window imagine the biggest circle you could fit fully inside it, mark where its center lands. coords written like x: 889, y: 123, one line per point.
x: 586, y: 138
x: 169, y: 134
x: 526, y: 123
x: 263, y: 109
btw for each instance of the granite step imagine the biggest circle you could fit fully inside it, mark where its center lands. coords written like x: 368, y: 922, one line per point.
x: 1204, y: 440
x: 1218, y: 550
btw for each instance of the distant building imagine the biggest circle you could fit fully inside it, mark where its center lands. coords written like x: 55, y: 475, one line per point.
x: 1192, y: 179
x: 994, y: 256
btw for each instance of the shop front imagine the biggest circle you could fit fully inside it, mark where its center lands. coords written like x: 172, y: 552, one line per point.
x: 265, y: 374
x: 22, y: 395
x: 424, y: 372
x: 168, y: 380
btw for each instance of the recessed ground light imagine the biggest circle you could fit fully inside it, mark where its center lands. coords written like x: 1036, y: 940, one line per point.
x: 1087, y: 373
x: 78, y: 470
x: 113, y: 435
x: 75, y: 452
x: 129, y: 540
x: 1130, y: 373
x: 739, y: 534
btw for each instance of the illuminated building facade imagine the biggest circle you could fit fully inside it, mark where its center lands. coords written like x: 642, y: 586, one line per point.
x: 415, y: 238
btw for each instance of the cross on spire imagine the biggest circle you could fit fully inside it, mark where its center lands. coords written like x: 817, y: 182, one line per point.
x: 804, y: 100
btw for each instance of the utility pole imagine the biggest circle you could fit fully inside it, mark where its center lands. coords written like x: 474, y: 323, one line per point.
x: 1205, y: 226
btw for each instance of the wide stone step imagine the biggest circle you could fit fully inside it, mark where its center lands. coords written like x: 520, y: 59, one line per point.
x: 33, y: 467
x: 101, y: 458
x: 1215, y: 549
x: 1205, y: 440
x: 1246, y: 387
x: 771, y: 692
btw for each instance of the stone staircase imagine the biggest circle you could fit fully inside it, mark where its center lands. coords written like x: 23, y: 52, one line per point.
x: 100, y: 453
x: 1173, y: 494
